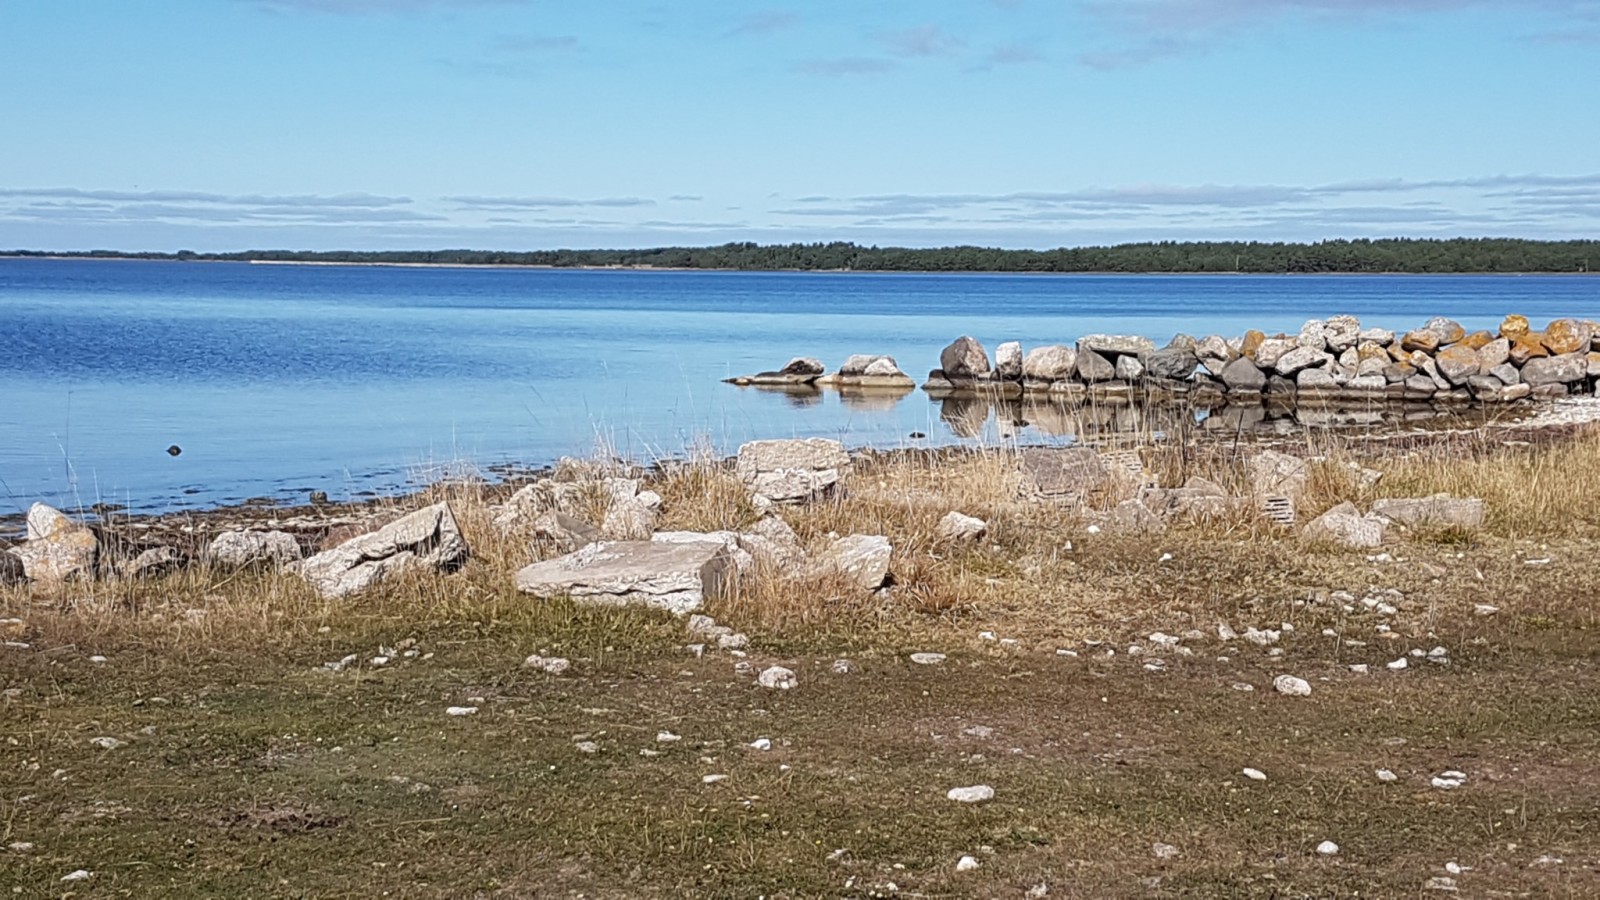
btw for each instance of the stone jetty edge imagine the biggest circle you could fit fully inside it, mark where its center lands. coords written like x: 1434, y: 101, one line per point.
x: 1328, y: 360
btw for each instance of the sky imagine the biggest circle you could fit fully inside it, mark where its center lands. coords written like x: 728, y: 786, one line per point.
x: 217, y: 125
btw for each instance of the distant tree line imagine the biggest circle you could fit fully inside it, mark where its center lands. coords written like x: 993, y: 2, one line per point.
x: 1396, y: 255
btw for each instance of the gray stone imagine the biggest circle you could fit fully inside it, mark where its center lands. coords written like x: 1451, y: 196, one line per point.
x: 1272, y: 349
x: 964, y: 358
x: 155, y: 562
x: 630, y: 520
x: 1275, y: 474
x: 1342, y: 333
x: 791, y: 471
x: 1458, y: 362
x: 1052, y: 363
x: 864, y: 363
x: 1116, y: 344
x: 1214, y: 346
x: 743, y: 560
x: 1064, y: 471
x: 1172, y: 363
x: 803, y: 366
x: 1315, y: 379
x: 1008, y: 361
x: 1242, y: 376
x: 426, y: 540
x: 1448, y: 331
x: 862, y: 559
x: 1134, y: 517
x: 242, y: 549
x: 677, y: 577
x: 1093, y: 367
x: 1345, y: 525
x: 567, y: 532
x: 11, y: 568
x: 1563, y: 369
x: 1300, y: 358
x: 1380, y: 336
x: 1129, y: 368
x: 1313, y: 335
x: 1421, y: 385
x: 1441, y: 509
x: 959, y: 527
x: 777, y: 678
x: 884, y: 367
x: 58, y: 548
x: 1495, y: 353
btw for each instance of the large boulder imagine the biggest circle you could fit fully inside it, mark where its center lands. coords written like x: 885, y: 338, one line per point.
x: 1093, y: 367
x: 1342, y: 333
x: 1529, y: 346
x: 426, y: 540
x: 801, y: 366
x: 1117, y: 344
x: 669, y: 575
x: 242, y: 549
x: 1243, y: 376
x: 1271, y: 349
x: 859, y: 363
x: 1008, y: 361
x: 59, y: 548
x: 1448, y: 331
x: 1567, y: 336
x: 1441, y: 509
x: 792, y: 471
x: 1300, y: 358
x: 1345, y: 525
x: 884, y: 367
x: 1458, y: 362
x: 1214, y: 346
x: 1422, y: 339
x: 1514, y: 326
x: 1172, y: 363
x: 1493, y: 354
x: 861, y: 559
x: 1052, y: 363
x: 964, y: 358
x: 744, y: 561
x: 1129, y: 368
x: 1563, y: 369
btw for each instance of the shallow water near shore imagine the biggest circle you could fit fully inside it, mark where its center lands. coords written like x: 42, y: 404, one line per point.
x: 278, y: 380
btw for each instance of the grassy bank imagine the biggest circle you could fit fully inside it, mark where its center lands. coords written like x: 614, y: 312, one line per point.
x: 248, y: 767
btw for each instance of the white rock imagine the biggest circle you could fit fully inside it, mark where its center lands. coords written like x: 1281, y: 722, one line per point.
x: 1360, y: 668
x: 1292, y: 686
x: 713, y: 779
x: 1484, y: 609
x: 553, y: 665
x: 1441, y: 883
x: 1398, y: 664
x: 97, y: 660
x: 1446, y: 784
x: 978, y: 793
x: 761, y: 744
x: 1244, y: 686
x: 966, y: 864
x: 1164, y: 851
x: 667, y: 737
x: 20, y: 846
x: 107, y: 743
x: 1328, y: 848
x: 79, y: 875
x: 1387, y: 776
x: 1261, y: 638
x: 959, y: 527
x: 461, y: 711
x: 778, y: 678
x: 1255, y: 774
x: 927, y: 659
x: 587, y: 747
x: 842, y: 667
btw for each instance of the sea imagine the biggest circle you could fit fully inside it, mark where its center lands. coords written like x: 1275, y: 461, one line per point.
x: 274, y: 381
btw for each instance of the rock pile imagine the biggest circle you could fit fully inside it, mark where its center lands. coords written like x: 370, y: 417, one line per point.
x: 1333, y: 360
x: 863, y: 370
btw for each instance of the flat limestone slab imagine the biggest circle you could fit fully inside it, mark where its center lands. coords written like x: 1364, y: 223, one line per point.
x: 676, y: 577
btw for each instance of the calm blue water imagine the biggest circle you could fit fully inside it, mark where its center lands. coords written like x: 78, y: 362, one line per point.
x: 280, y: 379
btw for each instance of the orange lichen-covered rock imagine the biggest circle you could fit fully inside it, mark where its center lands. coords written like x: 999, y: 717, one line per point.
x: 1252, y: 342
x: 1567, y: 336
x: 1421, y: 339
x: 1514, y: 326
x: 1457, y: 363
x: 1529, y: 346
x: 1477, y: 339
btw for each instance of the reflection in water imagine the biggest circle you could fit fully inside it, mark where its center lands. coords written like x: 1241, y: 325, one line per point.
x: 875, y: 399
x: 965, y: 416
x: 799, y: 396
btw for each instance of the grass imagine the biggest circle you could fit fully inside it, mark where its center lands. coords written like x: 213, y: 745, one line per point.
x: 249, y: 769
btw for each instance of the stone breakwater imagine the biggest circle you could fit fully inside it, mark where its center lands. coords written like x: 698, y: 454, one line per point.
x: 1328, y: 360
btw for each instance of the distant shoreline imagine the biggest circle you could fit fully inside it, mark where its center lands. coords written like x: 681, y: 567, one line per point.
x: 1388, y: 256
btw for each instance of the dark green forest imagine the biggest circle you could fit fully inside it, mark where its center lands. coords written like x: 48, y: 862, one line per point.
x: 1397, y: 255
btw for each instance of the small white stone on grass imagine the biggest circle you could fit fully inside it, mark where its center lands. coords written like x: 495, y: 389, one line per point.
x: 713, y: 779
x: 1262, y: 638
x: 1225, y: 633
x: 20, y: 846
x: 1255, y: 774
x: 1386, y: 776
x: 107, y: 743
x: 966, y: 864
x: 667, y: 737
x: 587, y: 747
x: 1164, y: 851
x: 97, y: 660
x: 1243, y: 686
x: 1484, y: 609
x: 461, y: 711
x: 1327, y: 848
x: 978, y: 793
x: 843, y: 667
x: 1291, y: 686
x: 1441, y: 883
x: 761, y: 744
x: 1360, y: 669
x: 778, y: 678
x: 553, y: 665
x: 79, y: 875
x: 927, y: 659
x: 1398, y: 664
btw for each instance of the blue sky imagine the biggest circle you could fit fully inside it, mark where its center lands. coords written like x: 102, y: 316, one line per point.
x: 521, y: 124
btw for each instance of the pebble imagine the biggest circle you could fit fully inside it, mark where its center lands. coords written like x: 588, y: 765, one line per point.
x: 986, y: 635
x: 1360, y: 668
x: 1327, y: 848
x: 667, y: 737
x: 761, y: 744
x: 978, y: 793
x: 1455, y: 868
x: 1165, y: 557
x: 1243, y: 686
x: 1164, y: 640
x: 97, y: 660
x: 20, y: 846
x: 1292, y: 686
x: 778, y: 678
x: 1255, y: 774
x: 1441, y: 883
x: 1164, y: 851
x: 927, y: 659
x: 713, y: 779
x: 1037, y: 891
x: 695, y: 650
x: 735, y: 641
x: 1484, y: 609
x: 1062, y: 651
x: 378, y: 661
x: 966, y: 864
x: 553, y: 665
x: 1398, y: 664
x: 1225, y: 633
x: 461, y: 711
x: 107, y: 743
x: 587, y: 747
x: 843, y: 667
x: 1449, y: 781
x: 1261, y: 638
x: 1386, y: 776
x: 79, y: 875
